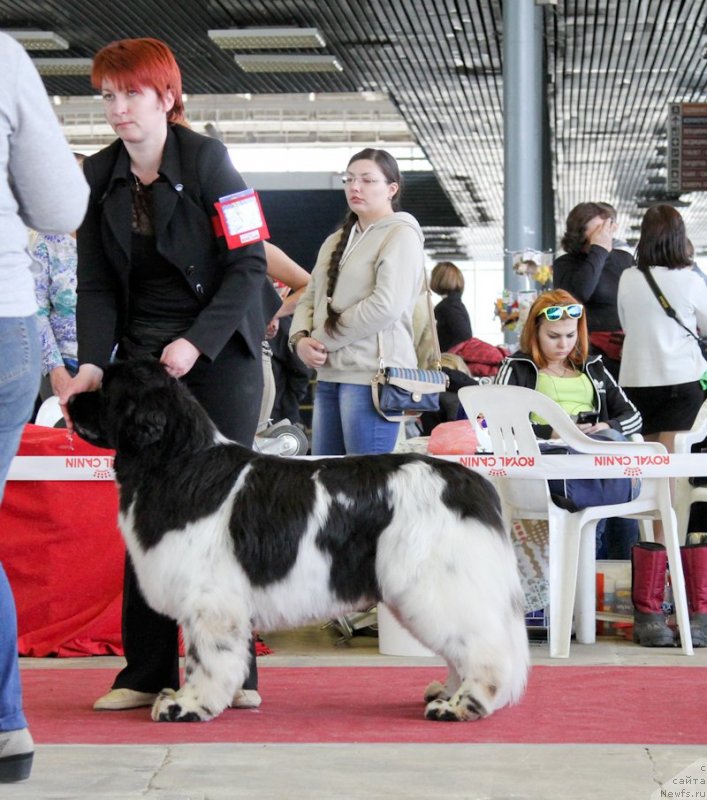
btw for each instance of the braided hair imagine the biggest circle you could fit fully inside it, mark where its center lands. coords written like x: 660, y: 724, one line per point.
x: 389, y: 167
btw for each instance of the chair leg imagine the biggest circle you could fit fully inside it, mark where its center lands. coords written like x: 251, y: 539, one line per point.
x: 646, y: 526
x: 564, y: 560
x: 585, y: 602
x: 681, y: 504
x: 677, y: 578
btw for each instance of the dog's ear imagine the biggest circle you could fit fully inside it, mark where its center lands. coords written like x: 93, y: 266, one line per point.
x: 140, y: 426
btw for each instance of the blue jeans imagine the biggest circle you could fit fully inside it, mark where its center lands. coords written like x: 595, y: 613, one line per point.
x: 19, y: 382
x: 345, y: 422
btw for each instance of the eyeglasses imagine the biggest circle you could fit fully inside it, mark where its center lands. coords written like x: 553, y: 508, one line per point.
x: 555, y: 313
x: 364, y: 180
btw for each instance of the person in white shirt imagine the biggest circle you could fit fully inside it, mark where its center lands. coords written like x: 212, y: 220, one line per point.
x: 662, y: 363
x: 661, y: 367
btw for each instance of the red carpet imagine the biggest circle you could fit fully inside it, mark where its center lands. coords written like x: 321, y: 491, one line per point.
x: 622, y: 705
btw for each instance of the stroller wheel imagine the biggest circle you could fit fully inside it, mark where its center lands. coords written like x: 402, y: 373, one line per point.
x: 283, y: 440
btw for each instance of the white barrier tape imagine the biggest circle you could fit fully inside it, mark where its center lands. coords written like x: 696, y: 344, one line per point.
x: 649, y: 465
x: 61, y: 468
x: 100, y: 468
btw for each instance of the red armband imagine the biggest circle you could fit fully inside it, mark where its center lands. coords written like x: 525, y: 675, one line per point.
x: 240, y: 219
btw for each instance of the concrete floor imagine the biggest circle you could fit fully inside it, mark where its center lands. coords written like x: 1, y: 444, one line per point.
x: 472, y: 772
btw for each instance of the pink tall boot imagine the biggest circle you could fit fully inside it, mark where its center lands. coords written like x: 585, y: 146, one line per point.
x: 649, y: 562
x: 694, y: 565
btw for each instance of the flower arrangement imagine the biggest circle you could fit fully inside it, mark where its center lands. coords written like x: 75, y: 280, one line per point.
x: 506, y: 309
x: 512, y: 309
x: 533, y: 264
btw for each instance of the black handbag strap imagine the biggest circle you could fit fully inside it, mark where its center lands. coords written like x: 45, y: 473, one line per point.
x: 663, y: 300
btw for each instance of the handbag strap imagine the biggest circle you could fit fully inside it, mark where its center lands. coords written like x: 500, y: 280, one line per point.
x: 436, y: 352
x: 665, y: 305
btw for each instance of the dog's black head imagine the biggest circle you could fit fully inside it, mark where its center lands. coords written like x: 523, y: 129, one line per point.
x: 140, y: 409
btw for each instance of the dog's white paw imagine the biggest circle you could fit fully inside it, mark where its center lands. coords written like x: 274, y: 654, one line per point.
x: 465, y: 708
x: 435, y: 691
x: 171, y: 706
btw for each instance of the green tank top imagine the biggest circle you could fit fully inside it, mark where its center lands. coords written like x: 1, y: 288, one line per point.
x: 573, y: 394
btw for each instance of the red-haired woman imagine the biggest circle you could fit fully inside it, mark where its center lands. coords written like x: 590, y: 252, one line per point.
x: 155, y: 280
x: 553, y: 360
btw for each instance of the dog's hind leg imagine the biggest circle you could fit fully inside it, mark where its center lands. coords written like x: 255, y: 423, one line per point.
x: 480, y: 634
x: 488, y: 667
x: 437, y: 690
x: 217, y: 662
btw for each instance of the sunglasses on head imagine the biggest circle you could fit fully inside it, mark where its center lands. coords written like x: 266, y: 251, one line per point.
x: 555, y: 313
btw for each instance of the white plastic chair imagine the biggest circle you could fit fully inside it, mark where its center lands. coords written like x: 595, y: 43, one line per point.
x: 685, y: 493
x: 572, y: 545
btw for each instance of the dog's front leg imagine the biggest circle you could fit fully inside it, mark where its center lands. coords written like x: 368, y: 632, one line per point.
x: 217, y: 662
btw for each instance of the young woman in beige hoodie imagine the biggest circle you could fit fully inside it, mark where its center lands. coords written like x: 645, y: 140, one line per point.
x: 357, y: 309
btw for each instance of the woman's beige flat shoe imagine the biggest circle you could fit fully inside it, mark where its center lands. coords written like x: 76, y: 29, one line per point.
x: 121, y: 699
x: 246, y: 698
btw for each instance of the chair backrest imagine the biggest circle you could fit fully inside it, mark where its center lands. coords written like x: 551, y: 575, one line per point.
x: 506, y: 410
x: 697, y: 433
x: 507, y: 421
x: 685, y: 494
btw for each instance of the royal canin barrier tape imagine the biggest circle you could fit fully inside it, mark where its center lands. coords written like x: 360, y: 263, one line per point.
x: 648, y: 465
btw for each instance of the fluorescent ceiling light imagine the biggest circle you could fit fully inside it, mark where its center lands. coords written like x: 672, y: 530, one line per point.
x: 266, y: 38
x: 63, y: 66
x: 39, y: 40
x: 287, y: 63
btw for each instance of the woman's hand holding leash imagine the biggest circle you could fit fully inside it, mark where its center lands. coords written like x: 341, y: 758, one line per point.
x: 179, y: 357
x: 87, y: 379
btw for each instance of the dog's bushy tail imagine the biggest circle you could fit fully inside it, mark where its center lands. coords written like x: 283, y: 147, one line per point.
x: 465, y: 602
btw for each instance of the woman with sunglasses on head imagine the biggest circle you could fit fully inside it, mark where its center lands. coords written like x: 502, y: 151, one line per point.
x: 357, y: 310
x: 554, y: 360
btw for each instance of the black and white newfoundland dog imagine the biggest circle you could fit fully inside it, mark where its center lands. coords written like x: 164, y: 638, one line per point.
x: 224, y: 540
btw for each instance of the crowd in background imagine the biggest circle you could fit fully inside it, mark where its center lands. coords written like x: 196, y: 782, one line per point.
x: 128, y: 285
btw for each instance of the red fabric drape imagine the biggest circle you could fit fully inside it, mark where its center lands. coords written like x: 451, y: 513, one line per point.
x: 63, y: 555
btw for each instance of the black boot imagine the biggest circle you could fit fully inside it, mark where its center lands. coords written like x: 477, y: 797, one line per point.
x: 649, y: 562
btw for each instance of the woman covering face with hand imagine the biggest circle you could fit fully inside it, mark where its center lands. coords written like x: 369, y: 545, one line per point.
x: 357, y: 309
x: 590, y: 270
